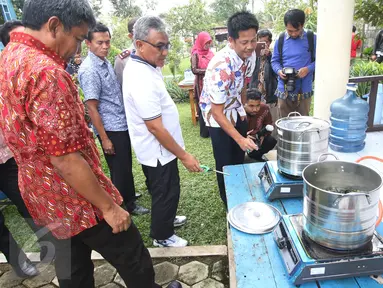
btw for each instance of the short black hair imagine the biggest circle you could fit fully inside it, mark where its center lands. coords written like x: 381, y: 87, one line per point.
x: 265, y: 33
x: 241, y: 21
x: 295, y: 17
x: 99, y: 27
x: 71, y: 13
x: 253, y: 94
x: 6, y: 29
x: 131, y: 24
x: 353, y: 28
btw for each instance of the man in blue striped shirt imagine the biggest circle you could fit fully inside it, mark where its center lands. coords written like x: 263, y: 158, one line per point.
x: 103, y: 98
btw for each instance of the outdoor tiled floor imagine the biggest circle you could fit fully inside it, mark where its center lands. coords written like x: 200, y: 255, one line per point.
x: 192, y: 272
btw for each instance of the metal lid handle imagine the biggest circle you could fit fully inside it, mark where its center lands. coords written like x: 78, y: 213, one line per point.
x: 326, y: 154
x: 313, y: 130
x: 292, y: 113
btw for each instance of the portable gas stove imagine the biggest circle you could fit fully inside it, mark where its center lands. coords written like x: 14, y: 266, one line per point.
x: 306, y: 261
x: 276, y: 184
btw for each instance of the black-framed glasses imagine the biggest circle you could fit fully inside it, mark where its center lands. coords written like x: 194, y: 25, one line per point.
x: 161, y: 47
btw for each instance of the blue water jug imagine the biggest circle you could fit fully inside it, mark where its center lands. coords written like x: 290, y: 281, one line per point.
x: 349, y: 116
x: 378, y: 116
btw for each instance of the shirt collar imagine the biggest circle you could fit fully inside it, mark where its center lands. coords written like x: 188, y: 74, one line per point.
x: 237, y: 60
x: 97, y: 60
x: 23, y: 38
x: 139, y: 59
x: 300, y: 36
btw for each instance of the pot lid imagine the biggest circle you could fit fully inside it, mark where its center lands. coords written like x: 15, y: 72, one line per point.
x: 302, y: 123
x: 254, y: 217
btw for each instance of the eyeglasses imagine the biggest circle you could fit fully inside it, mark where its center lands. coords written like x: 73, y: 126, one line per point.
x: 160, y: 47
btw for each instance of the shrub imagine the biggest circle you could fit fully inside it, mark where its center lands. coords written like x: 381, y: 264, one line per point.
x: 113, y: 52
x: 178, y: 95
x: 368, y: 51
x: 365, y: 69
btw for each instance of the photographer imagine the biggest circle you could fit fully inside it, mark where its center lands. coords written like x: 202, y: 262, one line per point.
x: 294, y: 61
x: 260, y: 124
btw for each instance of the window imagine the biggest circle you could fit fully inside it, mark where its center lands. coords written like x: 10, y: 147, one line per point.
x: 2, y: 20
x: 5, y: 11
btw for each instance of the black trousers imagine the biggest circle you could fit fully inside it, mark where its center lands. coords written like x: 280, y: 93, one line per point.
x: 203, y: 130
x: 10, y: 187
x: 164, y: 187
x: 268, y: 144
x: 226, y: 152
x: 120, y: 167
x: 125, y: 251
x: 379, y: 59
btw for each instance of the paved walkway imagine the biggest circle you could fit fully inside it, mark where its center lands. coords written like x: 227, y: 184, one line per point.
x: 194, y: 267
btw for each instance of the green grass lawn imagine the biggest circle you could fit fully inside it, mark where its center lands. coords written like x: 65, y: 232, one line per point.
x: 199, y: 201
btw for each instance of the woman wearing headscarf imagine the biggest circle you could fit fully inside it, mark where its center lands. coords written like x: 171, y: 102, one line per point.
x: 201, y: 56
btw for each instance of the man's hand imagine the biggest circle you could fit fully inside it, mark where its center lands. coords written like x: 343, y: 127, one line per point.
x: 265, y: 52
x: 191, y: 163
x: 283, y: 76
x: 302, y: 73
x: 108, y: 147
x: 373, y: 57
x: 247, y: 144
x: 117, y: 218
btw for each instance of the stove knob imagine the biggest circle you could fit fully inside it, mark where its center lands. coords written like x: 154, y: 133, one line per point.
x: 281, y: 242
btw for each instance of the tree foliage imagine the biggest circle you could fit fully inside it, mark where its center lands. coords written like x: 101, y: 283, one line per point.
x: 96, y: 7
x: 18, y: 6
x: 126, y: 8
x: 188, y: 20
x: 185, y: 22
x: 371, y: 11
x: 223, y: 9
x: 150, y: 5
x: 120, y: 37
x: 276, y: 9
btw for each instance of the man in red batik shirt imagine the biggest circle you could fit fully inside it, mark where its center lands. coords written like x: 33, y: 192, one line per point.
x: 60, y: 175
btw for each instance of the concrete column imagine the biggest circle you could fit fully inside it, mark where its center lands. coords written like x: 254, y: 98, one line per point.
x: 335, y: 19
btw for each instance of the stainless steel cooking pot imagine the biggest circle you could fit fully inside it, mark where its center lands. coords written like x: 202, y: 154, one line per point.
x: 301, y: 139
x: 340, y: 203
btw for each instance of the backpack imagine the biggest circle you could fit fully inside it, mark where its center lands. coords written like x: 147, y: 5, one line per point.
x: 310, y: 39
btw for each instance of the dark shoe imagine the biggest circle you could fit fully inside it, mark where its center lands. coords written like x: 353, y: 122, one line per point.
x: 26, y: 270
x: 138, y: 195
x: 139, y: 210
x: 174, y: 284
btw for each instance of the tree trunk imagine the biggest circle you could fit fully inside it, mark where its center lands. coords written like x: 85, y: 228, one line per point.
x: 363, y: 37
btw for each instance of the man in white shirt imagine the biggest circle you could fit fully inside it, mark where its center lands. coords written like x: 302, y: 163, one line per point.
x: 223, y: 94
x: 155, y: 130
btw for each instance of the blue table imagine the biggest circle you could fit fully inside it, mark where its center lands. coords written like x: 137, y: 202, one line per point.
x: 256, y: 258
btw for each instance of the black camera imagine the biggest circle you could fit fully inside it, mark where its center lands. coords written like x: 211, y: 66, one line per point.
x: 291, y: 75
x: 262, y: 133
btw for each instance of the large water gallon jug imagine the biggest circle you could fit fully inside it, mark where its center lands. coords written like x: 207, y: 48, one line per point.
x: 349, y: 116
x: 378, y: 116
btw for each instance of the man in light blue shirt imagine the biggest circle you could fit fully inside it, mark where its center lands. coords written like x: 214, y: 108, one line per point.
x: 103, y: 98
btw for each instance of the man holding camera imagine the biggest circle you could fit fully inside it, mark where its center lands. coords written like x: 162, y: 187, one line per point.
x: 260, y: 124
x: 294, y: 62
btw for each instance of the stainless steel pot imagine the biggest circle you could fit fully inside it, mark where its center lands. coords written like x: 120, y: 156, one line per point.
x: 301, y: 139
x: 340, y: 203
